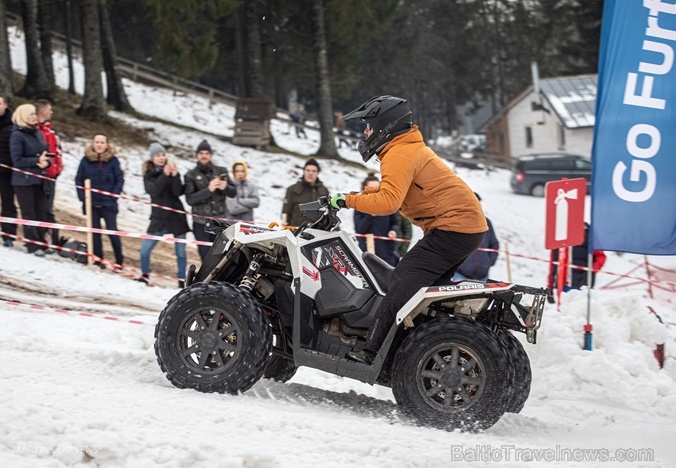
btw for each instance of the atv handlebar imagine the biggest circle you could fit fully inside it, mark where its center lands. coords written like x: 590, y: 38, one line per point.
x: 321, y: 215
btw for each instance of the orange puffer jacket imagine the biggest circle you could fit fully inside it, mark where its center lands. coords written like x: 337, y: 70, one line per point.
x: 427, y: 191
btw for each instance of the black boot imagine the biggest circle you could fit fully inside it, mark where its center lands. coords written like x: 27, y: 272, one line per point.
x: 144, y: 278
x: 181, y: 284
x: 365, y: 356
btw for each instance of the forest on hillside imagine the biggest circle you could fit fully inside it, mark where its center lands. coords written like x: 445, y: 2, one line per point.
x: 328, y: 54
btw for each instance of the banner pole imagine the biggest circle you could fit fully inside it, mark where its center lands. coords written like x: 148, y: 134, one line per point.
x: 588, y: 327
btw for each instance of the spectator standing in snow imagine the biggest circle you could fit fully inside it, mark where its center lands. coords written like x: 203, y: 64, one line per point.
x: 8, y: 208
x: 242, y: 205
x: 477, y: 265
x: 578, y: 257
x: 29, y: 153
x: 380, y: 226
x: 102, y: 168
x: 163, y: 183
x: 309, y: 188
x: 206, y: 186
x: 45, y: 111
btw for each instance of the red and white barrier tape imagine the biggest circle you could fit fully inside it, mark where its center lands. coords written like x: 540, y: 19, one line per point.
x: 116, y: 268
x: 155, y: 205
x: 111, y: 318
x: 71, y: 227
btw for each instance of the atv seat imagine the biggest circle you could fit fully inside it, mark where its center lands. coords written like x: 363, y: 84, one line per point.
x: 382, y: 271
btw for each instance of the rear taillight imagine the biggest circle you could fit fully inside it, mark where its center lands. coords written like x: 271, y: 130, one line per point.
x: 520, y: 177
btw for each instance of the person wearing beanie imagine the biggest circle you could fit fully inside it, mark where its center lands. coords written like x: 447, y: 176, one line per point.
x: 163, y: 183
x: 206, y: 187
x: 241, y: 207
x: 155, y: 149
x: 308, y: 188
x: 203, y: 146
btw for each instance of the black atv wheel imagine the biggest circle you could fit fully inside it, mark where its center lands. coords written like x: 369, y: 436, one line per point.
x: 451, y: 373
x: 522, y: 373
x: 213, y: 337
x: 280, y: 369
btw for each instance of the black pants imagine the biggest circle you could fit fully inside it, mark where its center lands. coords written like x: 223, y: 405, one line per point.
x: 202, y: 235
x: 50, y: 191
x: 109, y: 216
x: 33, y: 204
x: 432, y: 261
x: 8, y: 208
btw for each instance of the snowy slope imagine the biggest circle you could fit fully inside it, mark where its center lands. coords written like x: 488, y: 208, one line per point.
x: 82, y: 387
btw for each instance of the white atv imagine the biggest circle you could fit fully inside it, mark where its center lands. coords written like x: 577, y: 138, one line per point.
x: 266, y: 302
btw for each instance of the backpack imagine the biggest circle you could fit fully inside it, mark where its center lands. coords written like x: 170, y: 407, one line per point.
x: 74, y: 245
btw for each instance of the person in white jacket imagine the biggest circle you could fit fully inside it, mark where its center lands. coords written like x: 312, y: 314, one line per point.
x: 241, y: 206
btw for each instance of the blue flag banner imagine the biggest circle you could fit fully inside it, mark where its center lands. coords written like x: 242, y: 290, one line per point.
x: 634, y: 154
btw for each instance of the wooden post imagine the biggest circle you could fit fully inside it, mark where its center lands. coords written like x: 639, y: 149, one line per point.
x: 370, y: 244
x: 88, y: 213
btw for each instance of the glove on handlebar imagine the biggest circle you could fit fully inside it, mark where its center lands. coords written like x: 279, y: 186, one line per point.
x: 338, y: 201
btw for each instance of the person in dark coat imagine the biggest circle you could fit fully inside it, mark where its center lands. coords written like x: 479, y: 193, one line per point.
x: 206, y: 186
x: 241, y: 206
x: 8, y: 207
x: 101, y: 166
x: 309, y: 188
x: 29, y: 153
x: 578, y: 257
x: 477, y: 265
x: 163, y: 183
x: 381, y: 226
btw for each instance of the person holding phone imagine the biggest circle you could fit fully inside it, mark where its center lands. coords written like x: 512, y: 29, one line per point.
x: 163, y: 183
x: 29, y: 153
x: 206, y: 186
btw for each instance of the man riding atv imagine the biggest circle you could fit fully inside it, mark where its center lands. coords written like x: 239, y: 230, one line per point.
x: 417, y: 182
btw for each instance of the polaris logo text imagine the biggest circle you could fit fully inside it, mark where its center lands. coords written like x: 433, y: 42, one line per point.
x: 460, y: 287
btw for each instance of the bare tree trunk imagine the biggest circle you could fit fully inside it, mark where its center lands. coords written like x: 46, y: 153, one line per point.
x: 69, y: 47
x: 44, y: 21
x: 116, y: 94
x: 240, y: 40
x: 327, y: 141
x: 37, y: 85
x: 255, y: 60
x: 6, y: 73
x: 93, y: 104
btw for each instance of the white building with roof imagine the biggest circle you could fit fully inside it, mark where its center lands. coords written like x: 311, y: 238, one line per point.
x: 558, y: 120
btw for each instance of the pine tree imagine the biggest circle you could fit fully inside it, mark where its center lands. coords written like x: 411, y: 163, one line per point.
x: 37, y: 84
x: 116, y: 95
x: 6, y: 73
x: 93, y: 104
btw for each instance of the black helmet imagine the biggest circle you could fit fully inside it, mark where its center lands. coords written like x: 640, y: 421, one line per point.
x: 388, y: 116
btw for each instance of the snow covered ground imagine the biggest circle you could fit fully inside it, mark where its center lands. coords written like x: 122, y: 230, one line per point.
x: 81, y: 385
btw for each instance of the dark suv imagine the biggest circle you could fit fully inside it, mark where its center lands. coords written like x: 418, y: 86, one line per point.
x: 531, y: 173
